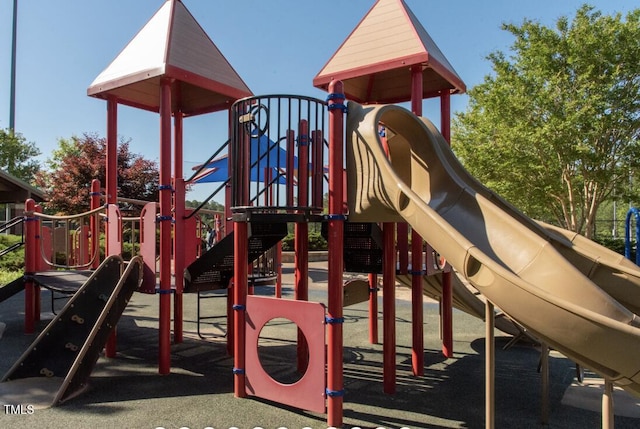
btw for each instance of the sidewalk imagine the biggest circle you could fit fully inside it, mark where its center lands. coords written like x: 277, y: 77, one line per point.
x: 127, y: 392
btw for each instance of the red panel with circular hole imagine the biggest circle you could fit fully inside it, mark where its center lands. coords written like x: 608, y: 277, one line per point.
x: 308, y: 392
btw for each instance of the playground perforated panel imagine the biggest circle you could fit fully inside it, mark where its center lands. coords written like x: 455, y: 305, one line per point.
x: 362, y: 247
x: 214, y: 269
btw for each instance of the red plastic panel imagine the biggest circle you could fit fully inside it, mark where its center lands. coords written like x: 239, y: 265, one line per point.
x: 192, y: 240
x: 308, y: 393
x: 148, y: 247
x: 80, y: 237
x: 44, y: 250
x: 114, y: 231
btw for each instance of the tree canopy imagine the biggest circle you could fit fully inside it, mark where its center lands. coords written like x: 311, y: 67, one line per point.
x: 555, y: 129
x: 79, y: 160
x: 17, y: 156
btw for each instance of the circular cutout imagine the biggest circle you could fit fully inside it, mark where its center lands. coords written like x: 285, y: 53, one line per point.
x: 278, y: 350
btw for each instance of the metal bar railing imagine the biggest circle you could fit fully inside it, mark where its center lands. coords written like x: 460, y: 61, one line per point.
x: 18, y: 220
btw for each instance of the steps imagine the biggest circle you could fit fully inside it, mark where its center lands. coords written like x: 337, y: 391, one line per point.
x: 362, y: 247
x: 214, y: 269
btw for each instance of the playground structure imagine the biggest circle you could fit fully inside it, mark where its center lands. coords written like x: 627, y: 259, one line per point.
x: 285, y: 152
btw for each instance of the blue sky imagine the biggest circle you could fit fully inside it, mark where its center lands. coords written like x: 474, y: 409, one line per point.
x: 276, y: 46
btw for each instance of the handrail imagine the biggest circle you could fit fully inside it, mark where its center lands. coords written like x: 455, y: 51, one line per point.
x: 69, y: 217
x: 627, y: 234
x: 11, y: 248
x: 204, y: 203
x: 11, y: 223
x: 66, y: 219
x: 211, y: 158
x: 136, y: 201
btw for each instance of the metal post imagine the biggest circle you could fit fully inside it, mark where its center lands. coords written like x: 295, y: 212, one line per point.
x: 373, y: 308
x: 111, y: 190
x: 607, y: 405
x: 12, y: 95
x: 417, y: 316
x: 112, y: 153
x: 178, y: 228
x: 240, y: 288
x: 38, y: 257
x: 335, y: 388
x: 389, y: 309
x: 447, y: 291
x: 30, y: 264
x: 301, y: 238
x: 95, y: 224
x: 290, y: 166
x: 164, y: 187
x: 544, y: 375
x: 318, y: 168
x: 241, y: 158
x: 490, y: 366
x: 627, y: 234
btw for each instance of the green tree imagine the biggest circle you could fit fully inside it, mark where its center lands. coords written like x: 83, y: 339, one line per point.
x: 79, y: 160
x: 555, y: 128
x: 16, y: 156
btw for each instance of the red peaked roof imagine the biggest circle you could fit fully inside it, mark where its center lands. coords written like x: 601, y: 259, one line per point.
x: 172, y: 45
x: 375, y: 60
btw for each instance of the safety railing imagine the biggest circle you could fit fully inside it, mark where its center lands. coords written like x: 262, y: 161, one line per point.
x: 278, y: 145
x: 69, y: 241
x: 635, y: 213
x: 19, y: 220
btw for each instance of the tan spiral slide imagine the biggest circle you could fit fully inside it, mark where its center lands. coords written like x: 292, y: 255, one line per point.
x: 535, y: 275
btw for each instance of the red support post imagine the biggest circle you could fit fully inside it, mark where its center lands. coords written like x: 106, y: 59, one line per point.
x: 318, y: 168
x: 389, y: 308
x: 291, y: 141
x: 240, y: 279
x: 278, y: 265
x: 417, y: 312
x: 178, y: 228
x: 335, y: 381
x: 112, y: 152
x: 230, y: 320
x: 228, y: 229
x: 240, y: 274
x: 111, y: 190
x: 301, y: 237
x: 95, y: 224
x: 228, y: 223
x: 373, y: 308
x: 388, y: 301
x: 30, y: 264
x: 164, y: 187
x: 417, y: 316
x: 447, y: 292
x: 37, y: 302
x: 402, y: 238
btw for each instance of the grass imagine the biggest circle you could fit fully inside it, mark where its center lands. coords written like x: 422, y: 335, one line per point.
x: 8, y: 276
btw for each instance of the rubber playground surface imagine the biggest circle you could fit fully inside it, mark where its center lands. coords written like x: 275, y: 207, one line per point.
x: 127, y: 391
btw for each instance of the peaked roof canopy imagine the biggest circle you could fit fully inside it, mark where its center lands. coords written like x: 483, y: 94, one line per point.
x: 172, y: 45
x: 375, y: 61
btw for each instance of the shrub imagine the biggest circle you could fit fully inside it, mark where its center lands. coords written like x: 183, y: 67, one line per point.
x: 316, y: 242
x: 617, y: 245
x: 7, y: 277
x: 14, y: 260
